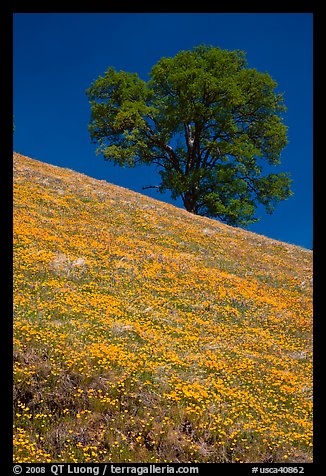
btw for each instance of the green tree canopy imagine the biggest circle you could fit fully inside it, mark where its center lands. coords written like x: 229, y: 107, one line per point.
x: 211, y: 124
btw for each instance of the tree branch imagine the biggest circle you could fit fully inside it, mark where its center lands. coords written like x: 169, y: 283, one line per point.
x: 172, y: 158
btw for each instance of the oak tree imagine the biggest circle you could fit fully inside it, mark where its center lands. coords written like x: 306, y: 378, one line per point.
x: 210, y: 123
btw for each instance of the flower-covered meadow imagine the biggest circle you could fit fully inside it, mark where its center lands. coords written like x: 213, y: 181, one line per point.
x: 143, y: 333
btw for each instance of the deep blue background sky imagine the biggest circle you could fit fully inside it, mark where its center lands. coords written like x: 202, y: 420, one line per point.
x: 57, y: 56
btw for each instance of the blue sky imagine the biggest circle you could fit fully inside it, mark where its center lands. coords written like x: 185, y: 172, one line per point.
x: 57, y: 56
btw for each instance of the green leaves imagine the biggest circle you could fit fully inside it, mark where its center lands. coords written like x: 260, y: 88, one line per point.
x: 207, y: 120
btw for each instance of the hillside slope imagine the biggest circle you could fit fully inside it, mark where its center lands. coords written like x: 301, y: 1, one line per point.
x: 143, y: 333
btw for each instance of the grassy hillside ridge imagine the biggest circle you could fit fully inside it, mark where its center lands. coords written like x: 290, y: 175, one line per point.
x: 144, y: 333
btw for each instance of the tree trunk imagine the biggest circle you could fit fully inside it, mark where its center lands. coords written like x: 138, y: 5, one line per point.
x: 189, y: 202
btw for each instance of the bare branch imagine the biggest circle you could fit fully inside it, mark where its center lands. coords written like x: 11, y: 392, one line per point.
x: 150, y: 186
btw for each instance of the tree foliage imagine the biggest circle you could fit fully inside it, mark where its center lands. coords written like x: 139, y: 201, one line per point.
x: 210, y: 123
